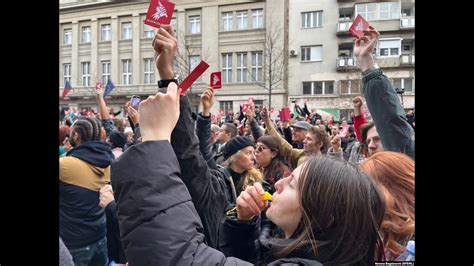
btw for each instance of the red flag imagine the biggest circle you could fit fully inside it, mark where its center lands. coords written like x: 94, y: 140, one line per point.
x: 216, y: 80
x: 67, y: 89
x: 159, y: 12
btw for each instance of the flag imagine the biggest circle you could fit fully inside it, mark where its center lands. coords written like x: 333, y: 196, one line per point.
x: 109, y: 87
x: 66, y: 90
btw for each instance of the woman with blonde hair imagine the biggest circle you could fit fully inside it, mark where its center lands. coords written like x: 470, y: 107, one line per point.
x: 395, y: 174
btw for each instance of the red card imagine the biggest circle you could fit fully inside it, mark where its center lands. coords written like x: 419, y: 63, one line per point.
x: 189, y: 80
x: 358, y: 26
x: 245, y: 106
x: 98, y: 86
x: 285, y: 114
x: 159, y: 12
x: 250, y: 100
x: 221, y: 112
x: 271, y: 110
x: 216, y: 80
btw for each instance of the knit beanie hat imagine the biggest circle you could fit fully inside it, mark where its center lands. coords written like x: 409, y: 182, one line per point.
x: 234, y: 145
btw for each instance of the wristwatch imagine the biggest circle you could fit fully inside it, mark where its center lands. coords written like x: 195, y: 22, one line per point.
x: 370, y: 69
x: 165, y: 82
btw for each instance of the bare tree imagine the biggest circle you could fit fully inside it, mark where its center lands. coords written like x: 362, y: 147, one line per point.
x: 273, y: 61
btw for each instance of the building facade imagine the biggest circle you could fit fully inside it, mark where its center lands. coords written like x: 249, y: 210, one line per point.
x: 322, y: 67
x: 310, y: 53
x: 108, y: 40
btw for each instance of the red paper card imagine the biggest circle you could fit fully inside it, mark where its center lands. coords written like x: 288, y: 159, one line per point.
x: 159, y: 12
x: 216, y: 80
x: 98, y: 86
x: 189, y: 80
x: 221, y: 112
x: 271, y: 110
x: 358, y: 26
x: 245, y: 106
x: 251, y: 100
x: 285, y: 114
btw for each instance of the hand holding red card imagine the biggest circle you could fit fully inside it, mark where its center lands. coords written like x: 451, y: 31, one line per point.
x: 358, y: 26
x: 159, y: 12
x: 216, y: 80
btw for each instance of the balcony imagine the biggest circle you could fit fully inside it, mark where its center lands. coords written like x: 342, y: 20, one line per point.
x: 343, y: 27
x: 407, y: 60
x: 346, y: 63
x: 407, y: 22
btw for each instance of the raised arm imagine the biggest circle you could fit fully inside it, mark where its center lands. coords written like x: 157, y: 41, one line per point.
x: 382, y: 100
x: 206, y: 186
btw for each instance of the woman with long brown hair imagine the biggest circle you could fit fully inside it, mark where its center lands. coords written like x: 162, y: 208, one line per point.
x: 395, y: 174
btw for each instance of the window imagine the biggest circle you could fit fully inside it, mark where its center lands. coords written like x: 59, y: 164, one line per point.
x: 105, y: 71
x: 86, y: 34
x: 226, y: 106
x: 227, y: 21
x: 389, y: 47
x: 350, y: 86
x: 257, y: 18
x: 242, y: 20
x: 404, y: 83
x: 105, y: 33
x: 193, y: 63
x: 257, y: 66
x: 195, y: 24
x: 86, y: 74
x: 68, y: 36
x: 148, y: 31
x: 312, y: 19
x: 241, y: 67
x: 227, y: 68
x: 174, y: 22
x: 318, y: 87
x: 126, y: 31
x: 127, y: 72
x: 379, y: 11
x: 311, y: 53
x: 67, y: 72
x: 149, y: 71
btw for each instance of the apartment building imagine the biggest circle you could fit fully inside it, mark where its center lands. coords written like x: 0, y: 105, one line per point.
x: 322, y: 67
x: 107, y: 40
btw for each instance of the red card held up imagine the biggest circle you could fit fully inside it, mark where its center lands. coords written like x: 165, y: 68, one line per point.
x: 245, y: 106
x: 358, y: 26
x: 189, y: 80
x: 159, y: 12
x: 98, y: 86
x: 285, y: 114
x: 216, y: 80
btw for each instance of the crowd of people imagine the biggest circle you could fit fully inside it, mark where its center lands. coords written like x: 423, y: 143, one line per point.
x: 166, y: 186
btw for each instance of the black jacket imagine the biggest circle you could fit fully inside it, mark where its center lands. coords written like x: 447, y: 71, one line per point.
x: 158, y: 222
x: 114, y: 244
x: 206, y: 185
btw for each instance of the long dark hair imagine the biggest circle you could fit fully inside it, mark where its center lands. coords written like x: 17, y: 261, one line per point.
x: 342, y: 210
x: 272, y: 172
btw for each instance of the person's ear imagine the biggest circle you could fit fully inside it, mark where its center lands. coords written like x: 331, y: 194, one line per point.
x: 273, y: 154
x: 76, y: 137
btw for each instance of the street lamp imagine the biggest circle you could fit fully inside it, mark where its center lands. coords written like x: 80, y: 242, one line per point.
x: 400, y: 91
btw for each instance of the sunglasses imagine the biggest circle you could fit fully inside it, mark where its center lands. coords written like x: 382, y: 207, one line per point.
x: 260, y: 148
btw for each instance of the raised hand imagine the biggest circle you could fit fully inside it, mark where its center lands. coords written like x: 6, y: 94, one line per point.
x: 364, y: 47
x: 165, y: 44
x: 207, y: 101
x: 159, y: 114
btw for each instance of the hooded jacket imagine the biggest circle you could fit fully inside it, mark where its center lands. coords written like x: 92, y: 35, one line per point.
x: 82, y: 172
